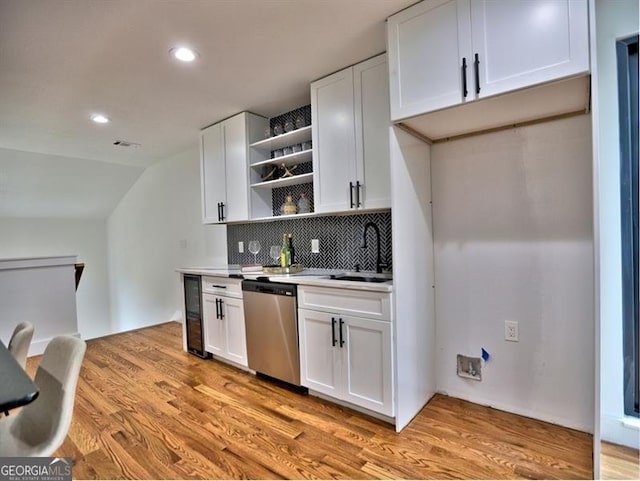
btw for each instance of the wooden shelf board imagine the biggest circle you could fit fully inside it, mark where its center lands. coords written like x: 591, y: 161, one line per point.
x: 284, y: 140
x: 291, y: 159
x: 296, y: 179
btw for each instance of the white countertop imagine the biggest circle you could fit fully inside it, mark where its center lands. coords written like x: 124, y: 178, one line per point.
x: 310, y: 277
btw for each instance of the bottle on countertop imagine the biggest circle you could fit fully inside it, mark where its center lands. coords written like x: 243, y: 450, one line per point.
x: 285, y: 252
x: 292, y: 251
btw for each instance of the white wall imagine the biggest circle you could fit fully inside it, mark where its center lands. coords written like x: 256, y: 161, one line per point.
x: 614, y: 20
x: 155, y: 229
x: 513, y: 241
x: 85, y: 237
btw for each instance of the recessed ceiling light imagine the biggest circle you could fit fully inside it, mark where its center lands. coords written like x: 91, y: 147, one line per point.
x: 184, y: 54
x: 100, y: 118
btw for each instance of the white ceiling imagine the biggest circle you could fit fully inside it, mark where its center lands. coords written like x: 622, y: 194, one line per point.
x: 62, y: 60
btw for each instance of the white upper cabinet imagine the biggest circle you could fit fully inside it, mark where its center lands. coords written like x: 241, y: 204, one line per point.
x: 350, y: 128
x: 212, y: 173
x: 426, y: 45
x: 525, y: 43
x: 224, y: 167
x: 447, y: 52
x: 334, y: 141
x: 371, y: 90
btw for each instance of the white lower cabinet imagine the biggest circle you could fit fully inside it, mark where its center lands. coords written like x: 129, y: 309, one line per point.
x: 224, y: 331
x: 347, y: 357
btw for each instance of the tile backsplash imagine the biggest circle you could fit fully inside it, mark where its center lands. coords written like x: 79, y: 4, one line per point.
x: 340, y: 240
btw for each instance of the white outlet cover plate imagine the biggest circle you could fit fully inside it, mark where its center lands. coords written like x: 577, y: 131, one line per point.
x: 240, y: 247
x: 511, y: 331
x: 315, y: 246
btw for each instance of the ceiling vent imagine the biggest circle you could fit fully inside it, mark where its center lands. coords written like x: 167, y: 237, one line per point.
x: 126, y: 143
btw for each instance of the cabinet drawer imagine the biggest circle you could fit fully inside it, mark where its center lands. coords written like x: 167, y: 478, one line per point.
x: 373, y: 305
x: 222, y: 286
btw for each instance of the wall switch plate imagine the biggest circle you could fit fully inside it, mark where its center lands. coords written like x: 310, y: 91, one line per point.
x: 240, y: 247
x: 511, y: 331
x: 315, y: 246
x: 469, y: 367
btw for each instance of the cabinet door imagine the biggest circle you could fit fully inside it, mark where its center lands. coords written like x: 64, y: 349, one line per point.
x: 367, y: 364
x: 236, y: 340
x: 333, y: 134
x: 371, y: 89
x: 426, y: 45
x: 212, y: 172
x: 237, y: 176
x: 214, y: 330
x: 318, y: 363
x: 525, y: 43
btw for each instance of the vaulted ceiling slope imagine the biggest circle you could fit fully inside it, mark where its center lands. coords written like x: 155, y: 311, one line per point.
x: 63, y: 60
x: 36, y: 185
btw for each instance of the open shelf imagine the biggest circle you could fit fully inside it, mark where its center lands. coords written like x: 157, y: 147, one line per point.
x: 284, y: 182
x: 291, y: 159
x: 290, y: 138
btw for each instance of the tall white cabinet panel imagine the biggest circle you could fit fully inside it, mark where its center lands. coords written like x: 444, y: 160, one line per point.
x: 212, y: 172
x: 224, y: 167
x: 350, y: 112
x: 427, y: 43
x: 525, y: 43
x: 333, y: 136
x: 367, y: 364
x: 371, y: 91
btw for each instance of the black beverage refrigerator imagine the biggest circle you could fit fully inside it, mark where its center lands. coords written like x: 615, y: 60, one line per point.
x: 193, y: 315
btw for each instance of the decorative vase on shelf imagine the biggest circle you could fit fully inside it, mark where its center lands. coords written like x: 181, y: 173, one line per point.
x: 303, y: 204
x: 289, y: 207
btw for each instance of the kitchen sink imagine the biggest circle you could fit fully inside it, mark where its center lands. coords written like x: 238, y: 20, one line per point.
x: 356, y: 278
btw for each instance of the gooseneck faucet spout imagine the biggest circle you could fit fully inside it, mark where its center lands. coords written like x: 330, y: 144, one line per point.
x: 364, y: 243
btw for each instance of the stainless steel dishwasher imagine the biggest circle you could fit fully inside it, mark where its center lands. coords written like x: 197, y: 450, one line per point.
x: 272, y: 329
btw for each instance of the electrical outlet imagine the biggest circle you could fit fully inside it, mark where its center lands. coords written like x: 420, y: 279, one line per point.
x: 511, y: 331
x: 315, y: 246
x: 240, y: 247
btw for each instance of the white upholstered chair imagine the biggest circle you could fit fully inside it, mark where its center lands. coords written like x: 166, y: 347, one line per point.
x: 40, y: 427
x: 20, y: 342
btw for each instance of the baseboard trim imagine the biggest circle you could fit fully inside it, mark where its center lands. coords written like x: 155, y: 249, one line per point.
x: 38, y: 347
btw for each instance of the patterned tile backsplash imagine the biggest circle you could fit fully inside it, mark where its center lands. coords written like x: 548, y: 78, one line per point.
x: 340, y: 240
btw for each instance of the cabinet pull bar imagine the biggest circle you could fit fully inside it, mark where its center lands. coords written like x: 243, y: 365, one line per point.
x: 217, y: 309
x: 351, y: 194
x: 221, y: 211
x: 333, y: 331
x: 358, y: 193
x: 341, y: 339
x: 465, y: 92
x: 221, y: 311
x: 476, y: 66
x: 218, y: 286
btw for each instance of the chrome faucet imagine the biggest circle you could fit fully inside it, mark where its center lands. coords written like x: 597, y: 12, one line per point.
x: 364, y: 243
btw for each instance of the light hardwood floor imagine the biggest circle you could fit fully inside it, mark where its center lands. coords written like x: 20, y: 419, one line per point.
x: 618, y: 462
x: 147, y: 410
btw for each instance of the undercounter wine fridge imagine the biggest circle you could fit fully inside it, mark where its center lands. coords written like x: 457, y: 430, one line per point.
x: 193, y: 315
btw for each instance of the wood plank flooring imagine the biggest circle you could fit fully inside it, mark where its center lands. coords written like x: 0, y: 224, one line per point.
x: 619, y: 462
x: 147, y: 410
